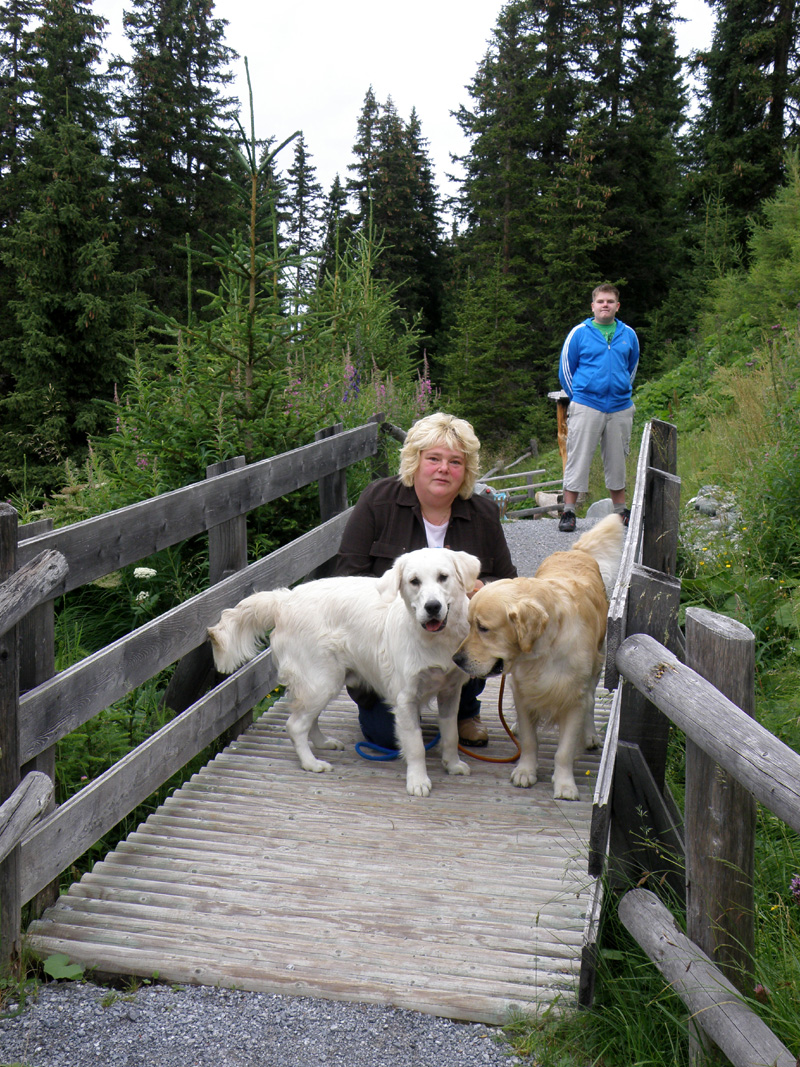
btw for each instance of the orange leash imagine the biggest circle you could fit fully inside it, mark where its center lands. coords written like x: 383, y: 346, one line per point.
x: 496, y: 759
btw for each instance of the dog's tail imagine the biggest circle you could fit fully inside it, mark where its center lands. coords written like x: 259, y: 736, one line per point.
x: 239, y: 634
x: 604, y: 541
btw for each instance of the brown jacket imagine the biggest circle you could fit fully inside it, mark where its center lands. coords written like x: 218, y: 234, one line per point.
x: 387, y: 521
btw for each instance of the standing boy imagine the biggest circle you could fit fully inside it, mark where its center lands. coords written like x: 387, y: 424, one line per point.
x: 597, y: 368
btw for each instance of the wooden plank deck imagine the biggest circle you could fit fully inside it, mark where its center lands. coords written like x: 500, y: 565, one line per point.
x: 261, y: 876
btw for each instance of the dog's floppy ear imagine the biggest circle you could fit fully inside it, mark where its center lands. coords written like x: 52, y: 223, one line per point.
x: 529, y: 620
x: 389, y: 582
x: 467, y: 568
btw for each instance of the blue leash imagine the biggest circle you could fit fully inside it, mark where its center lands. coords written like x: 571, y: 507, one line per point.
x: 386, y: 754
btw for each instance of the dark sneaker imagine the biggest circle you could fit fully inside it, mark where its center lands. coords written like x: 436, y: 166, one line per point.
x: 566, y: 523
x: 626, y: 516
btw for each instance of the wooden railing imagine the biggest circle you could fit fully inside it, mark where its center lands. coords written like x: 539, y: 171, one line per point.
x: 39, y: 707
x: 704, y: 685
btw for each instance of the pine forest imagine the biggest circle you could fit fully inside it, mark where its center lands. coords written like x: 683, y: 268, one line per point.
x: 174, y: 291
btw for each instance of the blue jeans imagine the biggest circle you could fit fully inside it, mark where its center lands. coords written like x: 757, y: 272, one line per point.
x: 377, y: 721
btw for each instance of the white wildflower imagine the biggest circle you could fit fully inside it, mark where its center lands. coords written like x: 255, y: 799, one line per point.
x: 144, y: 572
x: 141, y: 597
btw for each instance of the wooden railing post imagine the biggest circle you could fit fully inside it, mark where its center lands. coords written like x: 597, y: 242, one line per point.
x: 380, y: 461
x: 720, y: 814
x: 332, y: 487
x: 663, y: 446
x: 10, y: 920
x: 37, y: 662
x: 332, y: 497
x: 194, y: 675
x: 662, y: 499
x: 227, y: 542
x: 653, y: 603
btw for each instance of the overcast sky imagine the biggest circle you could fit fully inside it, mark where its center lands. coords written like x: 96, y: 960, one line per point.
x: 312, y: 61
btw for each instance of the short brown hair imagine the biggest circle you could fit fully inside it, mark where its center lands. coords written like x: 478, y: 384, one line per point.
x: 606, y: 287
x: 438, y: 430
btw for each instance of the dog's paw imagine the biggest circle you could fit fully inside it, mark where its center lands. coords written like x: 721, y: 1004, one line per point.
x: 457, y: 766
x: 331, y: 744
x: 565, y: 789
x: 523, y: 777
x: 318, y: 766
x: 418, y: 787
x: 591, y: 740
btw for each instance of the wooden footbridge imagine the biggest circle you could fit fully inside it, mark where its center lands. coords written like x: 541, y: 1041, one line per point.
x: 255, y: 873
x: 258, y: 875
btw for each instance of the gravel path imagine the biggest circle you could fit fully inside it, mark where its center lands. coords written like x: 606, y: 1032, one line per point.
x: 82, y: 1025
x: 532, y: 540
x: 77, y: 1024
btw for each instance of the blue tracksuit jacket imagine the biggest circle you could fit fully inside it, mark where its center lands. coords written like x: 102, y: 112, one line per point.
x: 597, y: 374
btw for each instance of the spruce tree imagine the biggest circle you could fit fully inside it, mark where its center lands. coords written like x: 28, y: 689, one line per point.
x: 68, y: 43
x: 60, y: 349
x: 640, y: 115
x: 70, y: 310
x: 523, y: 204
x: 426, y: 245
x: 304, y: 222
x: 336, y: 228
x: 362, y: 185
x: 173, y: 146
x: 396, y: 202
x: 18, y: 62
x: 748, y: 105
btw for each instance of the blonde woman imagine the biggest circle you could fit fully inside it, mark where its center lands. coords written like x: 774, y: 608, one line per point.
x: 429, y: 504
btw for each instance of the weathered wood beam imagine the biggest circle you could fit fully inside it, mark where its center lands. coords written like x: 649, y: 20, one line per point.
x: 769, y: 769
x: 713, y: 1002
x: 103, y: 544
x: 26, y: 588
x: 22, y: 809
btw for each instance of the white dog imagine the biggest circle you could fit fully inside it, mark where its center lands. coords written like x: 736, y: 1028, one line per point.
x: 395, y: 634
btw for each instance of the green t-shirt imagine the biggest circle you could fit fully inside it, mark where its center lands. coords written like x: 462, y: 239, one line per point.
x: 607, y: 329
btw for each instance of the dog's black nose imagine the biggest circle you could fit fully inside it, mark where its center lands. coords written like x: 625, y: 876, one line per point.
x: 433, y: 607
x: 459, y: 659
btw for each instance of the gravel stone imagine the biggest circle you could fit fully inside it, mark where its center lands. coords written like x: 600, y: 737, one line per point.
x: 530, y: 541
x: 77, y: 1024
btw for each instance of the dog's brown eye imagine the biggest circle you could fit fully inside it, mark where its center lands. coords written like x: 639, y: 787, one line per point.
x: 414, y: 581
x: 481, y: 628
x: 443, y: 578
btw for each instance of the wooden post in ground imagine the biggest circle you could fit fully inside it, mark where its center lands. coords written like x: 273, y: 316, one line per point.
x: 332, y: 496
x: 380, y: 461
x: 10, y: 920
x: 562, y: 407
x: 653, y: 603
x: 720, y: 814
x: 640, y: 831
x: 662, y: 498
x: 194, y: 675
x: 663, y: 446
x: 37, y: 663
x: 332, y: 487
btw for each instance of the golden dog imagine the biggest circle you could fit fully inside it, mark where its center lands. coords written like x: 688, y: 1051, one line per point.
x: 548, y: 632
